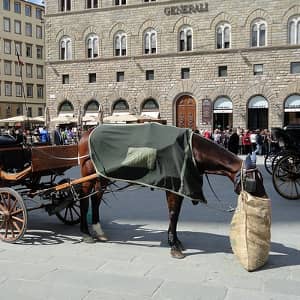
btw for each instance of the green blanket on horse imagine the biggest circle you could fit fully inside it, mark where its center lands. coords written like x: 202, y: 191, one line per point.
x: 149, y: 154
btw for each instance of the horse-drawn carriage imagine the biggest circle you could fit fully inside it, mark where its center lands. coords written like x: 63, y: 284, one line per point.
x: 28, y: 172
x: 286, y: 162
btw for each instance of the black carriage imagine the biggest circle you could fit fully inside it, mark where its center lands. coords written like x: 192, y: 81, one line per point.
x: 286, y: 164
x: 31, y: 172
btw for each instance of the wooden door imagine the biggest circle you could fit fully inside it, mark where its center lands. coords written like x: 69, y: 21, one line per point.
x: 186, y: 112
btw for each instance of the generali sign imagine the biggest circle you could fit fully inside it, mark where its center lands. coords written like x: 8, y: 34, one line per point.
x: 186, y: 9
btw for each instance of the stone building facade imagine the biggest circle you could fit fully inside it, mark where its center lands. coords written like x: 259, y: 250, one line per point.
x: 22, y: 32
x: 198, y: 64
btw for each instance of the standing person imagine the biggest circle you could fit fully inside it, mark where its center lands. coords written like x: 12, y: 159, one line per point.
x: 259, y: 142
x: 58, y: 140
x: 233, y: 142
x: 44, y: 135
x: 253, y: 140
x: 246, y: 142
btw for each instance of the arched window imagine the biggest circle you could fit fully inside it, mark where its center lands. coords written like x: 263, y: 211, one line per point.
x: 120, y: 44
x: 150, y: 108
x: 65, y: 48
x: 185, y: 38
x: 258, y: 33
x: 121, y: 105
x: 92, y: 46
x: 92, y: 106
x: 91, y: 3
x: 223, y: 36
x: 66, y: 107
x: 294, y: 30
x: 150, y: 43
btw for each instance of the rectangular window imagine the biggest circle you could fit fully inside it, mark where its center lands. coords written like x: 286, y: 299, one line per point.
x: 295, y: 67
x: 28, y: 10
x: 258, y: 69
x: 39, y: 72
x: 17, y: 7
x: 6, y: 4
x: 120, y: 2
x: 7, y: 67
x: 29, y: 112
x: 149, y: 0
x: 92, y: 77
x: 7, y: 46
x: 39, y: 52
x: 8, y: 88
x: 40, y: 111
x: 29, y: 90
x: 29, y: 70
x: 149, y: 74
x: 185, y: 73
x: 65, y: 5
x: 92, y: 4
x: 28, y: 50
x: 120, y: 76
x: 65, y: 79
x: 222, y: 71
x: 39, y: 32
x: 18, y: 69
x: 18, y: 27
x: 28, y: 29
x: 6, y: 24
x: 18, y: 48
x: 18, y: 89
x: 40, y: 91
x: 38, y: 13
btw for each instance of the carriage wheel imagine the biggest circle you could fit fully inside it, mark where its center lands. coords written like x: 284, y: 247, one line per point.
x: 13, y: 215
x: 277, y: 157
x: 268, y: 162
x: 286, y: 177
x: 71, y: 214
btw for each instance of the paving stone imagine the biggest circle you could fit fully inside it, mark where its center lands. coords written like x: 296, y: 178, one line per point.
x: 105, y: 282
x: 245, y: 294
x: 178, y: 291
x: 286, y: 287
x: 31, y: 290
x: 99, y: 295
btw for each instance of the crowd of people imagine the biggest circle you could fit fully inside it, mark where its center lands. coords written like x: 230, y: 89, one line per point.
x: 37, y: 135
x: 241, y: 141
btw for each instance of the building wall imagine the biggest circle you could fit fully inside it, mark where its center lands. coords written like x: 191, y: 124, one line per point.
x: 276, y: 84
x: 9, y: 104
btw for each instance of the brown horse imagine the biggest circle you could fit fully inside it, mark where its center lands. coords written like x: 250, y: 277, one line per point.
x: 210, y: 158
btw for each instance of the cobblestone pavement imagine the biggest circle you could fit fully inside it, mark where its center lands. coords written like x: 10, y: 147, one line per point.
x: 51, y: 262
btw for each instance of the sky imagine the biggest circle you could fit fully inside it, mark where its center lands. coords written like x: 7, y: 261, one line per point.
x: 35, y: 1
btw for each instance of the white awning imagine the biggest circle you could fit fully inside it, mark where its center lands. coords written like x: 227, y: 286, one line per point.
x: 258, y: 102
x: 120, y: 113
x: 223, y: 105
x: 90, y: 116
x: 292, y: 104
x: 152, y: 114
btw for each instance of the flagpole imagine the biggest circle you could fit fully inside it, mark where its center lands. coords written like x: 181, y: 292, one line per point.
x: 20, y: 63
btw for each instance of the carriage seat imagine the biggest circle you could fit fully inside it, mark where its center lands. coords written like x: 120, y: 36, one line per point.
x: 7, y: 140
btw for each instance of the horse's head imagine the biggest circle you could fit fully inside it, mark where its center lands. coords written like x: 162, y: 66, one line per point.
x: 214, y: 159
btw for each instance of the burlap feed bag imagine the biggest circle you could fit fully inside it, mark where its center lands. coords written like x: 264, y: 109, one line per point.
x: 250, y: 231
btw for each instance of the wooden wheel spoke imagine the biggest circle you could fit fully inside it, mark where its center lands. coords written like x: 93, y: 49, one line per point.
x: 65, y: 215
x: 71, y: 214
x: 15, y: 224
x: 16, y: 212
x: 18, y: 219
x: 14, y: 206
x: 76, y: 212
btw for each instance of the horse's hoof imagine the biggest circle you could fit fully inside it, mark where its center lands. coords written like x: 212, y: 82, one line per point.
x: 175, y: 253
x: 88, y: 239
x: 101, y: 238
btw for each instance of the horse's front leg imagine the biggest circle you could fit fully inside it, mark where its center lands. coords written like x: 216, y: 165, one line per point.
x: 97, y: 231
x: 174, y: 205
x: 84, y: 206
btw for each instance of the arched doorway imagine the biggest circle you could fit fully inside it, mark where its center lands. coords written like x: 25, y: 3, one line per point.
x: 292, y: 110
x: 258, y: 117
x: 222, y: 113
x: 186, y: 112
